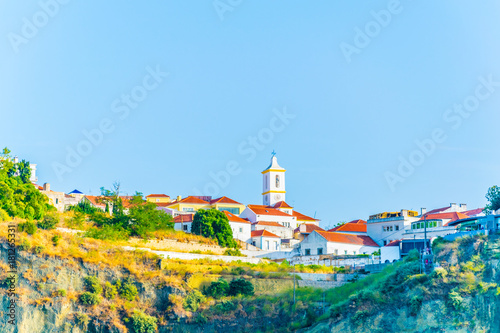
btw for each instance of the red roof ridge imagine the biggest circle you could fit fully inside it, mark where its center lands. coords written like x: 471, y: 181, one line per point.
x: 339, y: 237
x: 263, y: 233
x: 233, y: 218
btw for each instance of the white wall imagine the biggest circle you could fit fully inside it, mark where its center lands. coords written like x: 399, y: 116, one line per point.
x: 315, y: 241
x: 267, y: 243
x: 247, y: 213
x: 389, y: 253
x: 282, y: 232
x: 246, y: 231
x: 376, y: 232
x: 178, y: 226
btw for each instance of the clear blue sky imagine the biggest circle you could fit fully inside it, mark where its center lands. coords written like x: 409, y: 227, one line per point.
x: 353, y: 119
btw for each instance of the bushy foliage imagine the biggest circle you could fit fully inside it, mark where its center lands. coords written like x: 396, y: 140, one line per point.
x: 493, y: 197
x: 214, y: 224
x: 142, y: 323
x: 127, y: 289
x: 84, y: 207
x: 56, y: 239
x: 18, y: 197
x: 4, y: 216
x: 108, y: 232
x: 241, y: 287
x: 89, y: 298
x: 193, y: 300
x: 110, y: 290
x: 28, y: 227
x: 38, y: 249
x: 233, y: 252
x: 49, y: 222
x: 218, y: 288
x: 93, y: 285
x: 82, y: 320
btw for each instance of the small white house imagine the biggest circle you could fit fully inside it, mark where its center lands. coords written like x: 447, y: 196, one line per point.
x: 183, y: 222
x: 324, y: 242
x: 265, y: 240
x: 391, y: 252
x: 274, y: 228
x: 242, y: 229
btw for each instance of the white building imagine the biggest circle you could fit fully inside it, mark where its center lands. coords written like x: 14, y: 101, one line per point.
x: 386, y: 227
x: 324, y: 242
x: 274, y: 228
x: 266, y: 240
x: 183, y: 222
x: 242, y: 229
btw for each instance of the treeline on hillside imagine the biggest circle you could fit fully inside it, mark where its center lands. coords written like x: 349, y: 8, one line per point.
x: 18, y: 197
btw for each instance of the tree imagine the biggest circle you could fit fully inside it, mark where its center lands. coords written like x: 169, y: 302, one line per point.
x: 240, y: 286
x: 493, y: 197
x: 218, y: 288
x: 214, y: 224
x: 142, y: 323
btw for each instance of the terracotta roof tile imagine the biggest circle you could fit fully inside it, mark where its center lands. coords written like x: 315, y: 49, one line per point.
x: 233, y: 218
x: 157, y: 196
x: 445, y: 216
x: 183, y: 218
x: 263, y: 233
x: 192, y: 200
x: 302, y: 217
x: 266, y: 210
x: 308, y: 228
x: 224, y: 200
x: 394, y: 243
x: 353, y: 226
x: 337, y: 237
x: 268, y: 223
x: 282, y: 204
x: 473, y: 212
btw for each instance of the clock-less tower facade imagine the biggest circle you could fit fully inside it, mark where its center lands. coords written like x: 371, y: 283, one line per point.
x: 273, y: 189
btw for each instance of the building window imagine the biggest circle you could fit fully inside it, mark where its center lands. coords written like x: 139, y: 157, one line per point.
x: 241, y: 229
x: 345, y: 252
x: 188, y: 209
x: 185, y: 227
x: 385, y: 243
x: 57, y: 201
x: 253, y: 243
x: 397, y: 227
x: 320, y: 250
x: 276, y: 243
x: 157, y: 200
x: 354, y: 252
x: 308, y: 252
x: 336, y: 251
x: 267, y: 245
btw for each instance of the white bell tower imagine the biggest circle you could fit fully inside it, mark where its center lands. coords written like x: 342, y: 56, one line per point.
x: 273, y: 189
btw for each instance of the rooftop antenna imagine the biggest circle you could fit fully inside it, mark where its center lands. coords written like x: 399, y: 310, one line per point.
x: 273, y: 153
x: 315, y: 214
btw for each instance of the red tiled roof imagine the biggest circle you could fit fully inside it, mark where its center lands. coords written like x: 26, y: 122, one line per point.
x: 473, y: 212
x: 183, y: 218
x: 162, y: 204
x: 266, y: 210
x: 225, y: 200
x: 353, y: 226
x: 302, y: 217
x: 445, y: 216
x: 192, y: 200
x: 96, y: 201
x: 435, y: 211
x: 233, y: 218
x: 263, y: 233
x: 308, y: 228
x: 337, y: 237
x: 282, y: 204
x: 394, y: 243
x: 268, y: 223
x: 158, y: 196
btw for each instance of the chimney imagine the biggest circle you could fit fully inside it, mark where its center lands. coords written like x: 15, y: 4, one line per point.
x: 179, y: 198
x: 464, y: 207
x: 16, y: 160
x: 46, y: 187
x: 453, y: 206
x: 404, y: 212
x: 423, y: 211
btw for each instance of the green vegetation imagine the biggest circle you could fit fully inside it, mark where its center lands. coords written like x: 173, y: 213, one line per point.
x: 218, y: 289
x: 18, y: 197
x: 193, y: 300
x: 49, y: 222
x: 212, y: 223
x: 127, y: 289
x: 93, y: 285
x: 89, y: 298
x: 28, y: 226
x: 240, y: 287
x: 84, y: 207
x: 110, y: 290
x: 493, y: 197
x: 142, y: 323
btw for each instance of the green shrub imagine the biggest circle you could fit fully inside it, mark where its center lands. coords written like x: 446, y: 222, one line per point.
x: 29, y: 227
x: 359, y: 317
x: 82, y: 320
x: 4, y: 216
x: 225, y: 307
x: 62, y: 292
x: 455, y: 300
x: 415, y: 304
x: 193, y: 300
x: 128, y: 290
x: 110, y: 291
x: 88, y: 298
x: 241, y: 286
x: 49, y: 222
x: 24, y: 245
x: 142, y: 323
x: 56, y: 240
x: 38, y: 249
x: 93, y: 284
x: 233, y: 252
x: 218, y: 288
